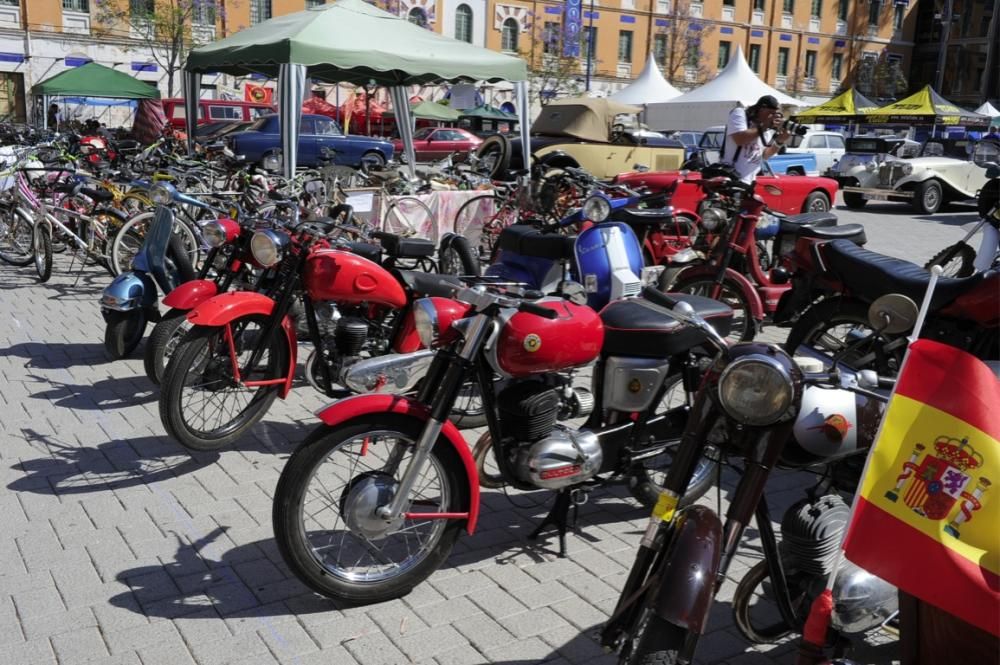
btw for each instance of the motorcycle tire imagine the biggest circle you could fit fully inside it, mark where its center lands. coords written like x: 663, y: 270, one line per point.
x: 469, y: 412
x: 123, y: 332
x: 958, y: 260
x: 188, y: 363
x: 16, y: 239
x: 455, y: 257
x: 41, y: 240
x: 163, y: 340
x: 290, y: 498
x: 744, y: 328
x: 659, y: 644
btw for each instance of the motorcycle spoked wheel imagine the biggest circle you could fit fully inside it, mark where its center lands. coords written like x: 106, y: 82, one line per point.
x: 744, y: 606
x: 162, y: 343
x: 328, y: 491
x: 123, y: 332
x: 744, y: 328
x: 201, y: 406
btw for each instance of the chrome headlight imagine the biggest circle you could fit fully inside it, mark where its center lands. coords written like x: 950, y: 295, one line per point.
x: 425, y: 320
x: 907, y: 169
x: 268, y: 247
x: 713, y: 218
x: 161, y: 193
x: 756, y: 390
x: 871, y: 166
x: 214, y: 234
x: 596, y: 209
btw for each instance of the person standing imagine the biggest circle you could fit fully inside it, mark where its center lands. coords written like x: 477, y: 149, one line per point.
x: 55, y: 117
x: 748, y: 137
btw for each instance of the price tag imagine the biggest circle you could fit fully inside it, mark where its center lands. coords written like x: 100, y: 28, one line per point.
x: 361, y: 201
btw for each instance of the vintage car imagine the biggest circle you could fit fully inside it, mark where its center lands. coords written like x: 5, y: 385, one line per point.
x: 828, y: 147
x: 583, y: 133
x: 788, y: 194
x: 942, y: 173
x: 861, y: 161
x: 431, y: 143
x: 710, y: 150
x: 318, y: 135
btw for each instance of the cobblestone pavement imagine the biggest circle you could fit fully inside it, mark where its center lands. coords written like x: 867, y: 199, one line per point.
x: 117, y: 546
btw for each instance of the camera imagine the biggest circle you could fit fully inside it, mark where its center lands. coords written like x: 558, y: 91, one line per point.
x: 795, y: 128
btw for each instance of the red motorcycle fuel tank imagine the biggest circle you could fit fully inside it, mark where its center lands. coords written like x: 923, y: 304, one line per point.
x: 332, y: 274
x: 530, y: 344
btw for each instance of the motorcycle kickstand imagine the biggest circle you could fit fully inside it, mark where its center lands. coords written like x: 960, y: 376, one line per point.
x: 558, y: 516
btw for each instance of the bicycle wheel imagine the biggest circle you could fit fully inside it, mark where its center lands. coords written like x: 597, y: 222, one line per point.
x: 130, y: 236
x: 16, y: 246
x: 487, y: 216
x: 42, y: 242
x: 407, y: 213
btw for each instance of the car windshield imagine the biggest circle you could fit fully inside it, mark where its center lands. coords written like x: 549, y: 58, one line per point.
x: 423, y: 132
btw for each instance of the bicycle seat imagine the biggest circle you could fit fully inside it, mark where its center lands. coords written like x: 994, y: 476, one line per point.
x: 526, y: 240
x: 404, y: 248
x: 870, y: 275
x: 794, y: 223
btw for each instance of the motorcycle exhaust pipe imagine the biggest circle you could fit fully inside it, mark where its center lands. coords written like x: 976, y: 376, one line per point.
x: 393, y: 373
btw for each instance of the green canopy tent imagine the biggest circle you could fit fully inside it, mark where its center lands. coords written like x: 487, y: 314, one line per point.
x: 926, y: 107
x: 847, y: 107
x: 348, y: 41
x: 486, y: 119
x: 428, y: 110
x: 93, y: 80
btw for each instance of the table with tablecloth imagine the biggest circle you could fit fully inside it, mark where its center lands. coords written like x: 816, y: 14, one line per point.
x: 414, y: 220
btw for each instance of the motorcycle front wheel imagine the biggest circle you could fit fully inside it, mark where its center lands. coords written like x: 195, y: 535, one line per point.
x: 202, y: 405
x: 658, y: 643
x: 323, y: 514
x: 162, y: 343
x: 123, y: 332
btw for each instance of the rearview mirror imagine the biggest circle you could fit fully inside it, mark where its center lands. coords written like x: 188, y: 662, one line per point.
x: 892, y: 313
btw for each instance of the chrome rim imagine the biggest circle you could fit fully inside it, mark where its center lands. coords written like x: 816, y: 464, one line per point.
x: 931, y: 198
x: 818, y: 205
x: 331, y: 510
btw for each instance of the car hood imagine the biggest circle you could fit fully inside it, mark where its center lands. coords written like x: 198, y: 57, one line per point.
x: 934, y: 162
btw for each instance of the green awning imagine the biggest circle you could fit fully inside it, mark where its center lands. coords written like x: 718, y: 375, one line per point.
x: 489, y: 112
x: 94, y: 80
x: 351, y: 41
x: 428, y: 110
x: 843, y: 108
x: 927, y: 107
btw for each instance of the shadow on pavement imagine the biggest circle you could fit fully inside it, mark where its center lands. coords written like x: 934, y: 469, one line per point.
x: 58, y: 355
x: 100, y: 395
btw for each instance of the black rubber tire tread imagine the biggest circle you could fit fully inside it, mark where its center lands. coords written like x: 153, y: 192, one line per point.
x: 918, y: 197
x: 458, y: 244
x: 659, y: 644
x: 288, y: 495
x: 965, y: 254
x: 25, y: 222
x: 41, y: 240
x: 502, y: 165
x: 854, y: 201
x: 174, y: 380
x: 153, y: 359
x: 117, y: 344
x: 815, y: 196
x: 375, y: 159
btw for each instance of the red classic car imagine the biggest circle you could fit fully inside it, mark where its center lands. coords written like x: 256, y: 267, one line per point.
x: 789, y: 194
x: 433, y: 143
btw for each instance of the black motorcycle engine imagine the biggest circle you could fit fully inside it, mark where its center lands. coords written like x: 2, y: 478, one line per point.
x: 349, y: 335
x: 528, y: 411
x: 810, y: 534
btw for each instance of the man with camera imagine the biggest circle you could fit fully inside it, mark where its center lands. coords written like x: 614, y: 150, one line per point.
x: 749, y: 132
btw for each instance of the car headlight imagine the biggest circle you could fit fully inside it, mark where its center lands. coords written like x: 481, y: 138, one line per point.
x: 907, y: 169
x: 161, y: 193
x: 756, y: 390
x: 425, y: 320
x: 268, y: 247
x: 713, y: 218
x: 871, y: 166
x: 596, y: 209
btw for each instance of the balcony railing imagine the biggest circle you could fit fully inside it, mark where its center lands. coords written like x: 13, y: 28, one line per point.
x: 697, y: 9
x: 841, y: 28
x: 624, y: 70
x: 728, y: 13
x: 814, y: 24
x: 757, y: 18
x: 10, y: 15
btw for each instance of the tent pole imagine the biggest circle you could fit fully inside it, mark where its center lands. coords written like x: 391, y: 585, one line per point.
x: 192, y: 92
x: 523, y: 112
x: 404, y: 123
x: 291, y: 89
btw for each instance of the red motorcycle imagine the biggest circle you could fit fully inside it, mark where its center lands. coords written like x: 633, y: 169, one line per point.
x: 371, y: 504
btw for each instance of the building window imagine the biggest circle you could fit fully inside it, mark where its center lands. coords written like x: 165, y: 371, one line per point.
x: 508, y: 35
x: 693, y: 55
x: 590, y: 43
x: 755, y: 58
x: 141, y: 8
x: 788, y: 6
x: 728, y: 3
x: 660, y: 49
x: 842, y: 10
x: 314, y: 3
x: 624, y: 46
x: 203, y: 12
x: 417, y: 16
x: 817, y: 9
x: 758, y: 5
x: 724, y: 54
x: 838, y: 66
x: 900, y: 16
x: 14, y: 3
x: 811, y: 64
x: 260, y: 10
x: 550, y: 38
x: 463, y: 23
x: 875, y: 7
x: 68, y: 5
x: 782, y: 62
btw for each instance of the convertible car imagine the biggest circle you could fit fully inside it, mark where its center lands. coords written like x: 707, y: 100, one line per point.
x: 583, y: 133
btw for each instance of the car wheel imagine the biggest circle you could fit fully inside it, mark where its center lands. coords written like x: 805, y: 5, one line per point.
x: 854, y: 201
x: 928, y: 197
x: 816, y: 202
x: 373, y: 160
x: 494, y: 157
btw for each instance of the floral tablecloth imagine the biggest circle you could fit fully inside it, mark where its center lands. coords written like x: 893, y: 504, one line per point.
x: 444, y: 205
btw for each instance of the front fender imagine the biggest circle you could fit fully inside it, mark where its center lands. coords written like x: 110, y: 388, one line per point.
x: 227, y: 307
x: 364, y: 405
x: 189, y: 295
x: 756, y: 306
x: 128, y: 291
x: 686, y: 586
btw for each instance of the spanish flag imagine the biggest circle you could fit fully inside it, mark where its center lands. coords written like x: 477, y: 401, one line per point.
x: 258, y: 93
x: 927, y: 516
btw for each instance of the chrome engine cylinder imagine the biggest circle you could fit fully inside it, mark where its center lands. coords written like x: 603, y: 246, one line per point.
x: 565, y: 457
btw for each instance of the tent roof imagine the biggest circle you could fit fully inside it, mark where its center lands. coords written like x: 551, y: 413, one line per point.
x: 926, y: 106
x: 428, y: 110
x: 487, y: 111
x: 988, y: 109
x: 352, y: 41
x: 582, y: 118
x: 735, y: 83
x: 94, y: 80
x: 846, y: 106
x: 648, y: 88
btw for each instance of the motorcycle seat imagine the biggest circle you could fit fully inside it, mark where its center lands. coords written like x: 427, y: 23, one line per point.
x: 795, y: 223
x: 855, y: 233
x: 870, y: 275
x: 635, y: 217
x: 404, y: 248
x: 366, y: 250
x: 527, y: 240
x: 430, y: 284
x: 101, y: 195
x: 639, y: 328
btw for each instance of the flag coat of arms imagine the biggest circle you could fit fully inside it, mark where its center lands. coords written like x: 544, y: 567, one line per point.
x: 258, y: 93
x: 927, y: 517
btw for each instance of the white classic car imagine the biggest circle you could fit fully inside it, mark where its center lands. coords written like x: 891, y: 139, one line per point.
x: 859, y: 167
x: 942, y: 173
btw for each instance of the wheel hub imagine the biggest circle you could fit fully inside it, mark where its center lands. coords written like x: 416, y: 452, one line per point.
x: 362, y: 497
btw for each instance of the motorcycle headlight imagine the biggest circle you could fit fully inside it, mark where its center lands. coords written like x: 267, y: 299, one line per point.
x: 713, y: 218
x: 596, y: 209
x: 268, y: 247
x: 907, y: 169
x: 425, y: 320
x: 214, y: 234
x: 161, y: 194
x: 756, y: 390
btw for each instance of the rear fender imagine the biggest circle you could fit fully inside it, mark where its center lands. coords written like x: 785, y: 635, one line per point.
x: 363, y: 405
x: 686, y: 586
x: 756, y: 306
x: 128, y: 291
x: 189, y: 295
x: 227, y: 307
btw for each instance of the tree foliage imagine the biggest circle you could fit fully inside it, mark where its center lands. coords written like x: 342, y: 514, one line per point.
x: 553, y: 73
x: 677, y: 45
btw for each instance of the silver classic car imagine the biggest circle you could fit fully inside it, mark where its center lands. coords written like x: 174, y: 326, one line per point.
x: 859, y: 167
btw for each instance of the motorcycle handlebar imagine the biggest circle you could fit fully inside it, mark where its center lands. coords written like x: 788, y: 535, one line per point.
x: 532, y: 308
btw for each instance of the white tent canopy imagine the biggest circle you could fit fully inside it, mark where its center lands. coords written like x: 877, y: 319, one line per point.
x: 711, y: 103
x: 988, y: 109
x: 648, y: 88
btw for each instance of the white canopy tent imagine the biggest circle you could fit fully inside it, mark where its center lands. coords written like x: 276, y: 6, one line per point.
x: 648, y: 88
x: 711, y: 103
x: 988, y: 109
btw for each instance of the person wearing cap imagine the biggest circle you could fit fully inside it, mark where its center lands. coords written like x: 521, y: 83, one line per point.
x: 748, y: 137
